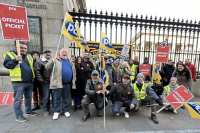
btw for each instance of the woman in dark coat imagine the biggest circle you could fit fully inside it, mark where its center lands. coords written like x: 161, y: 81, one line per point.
x: 183, y: 75
x: 81, y: 78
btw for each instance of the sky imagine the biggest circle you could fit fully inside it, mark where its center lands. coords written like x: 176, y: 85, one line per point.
x: 186, y: 9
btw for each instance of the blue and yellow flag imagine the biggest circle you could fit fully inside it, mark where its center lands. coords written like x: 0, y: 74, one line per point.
x: 105, y: 78
x: 83, y: 44
x: 156, y: 76
x: 105, y: 43
x: 103, y: 64
x: 194, y: 109
x: 69, y: 29
x: 165, y: 43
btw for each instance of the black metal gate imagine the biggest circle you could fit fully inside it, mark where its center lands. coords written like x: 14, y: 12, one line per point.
x: 145, y: 33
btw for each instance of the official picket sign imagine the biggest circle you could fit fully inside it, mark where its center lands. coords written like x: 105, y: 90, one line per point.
x: 162, y: 54
x: 7, y: 98
x: 145, y: 69
x: 179, y: 95
x: 14, y: 22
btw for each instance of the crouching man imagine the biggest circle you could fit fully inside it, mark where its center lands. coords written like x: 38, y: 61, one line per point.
x: 93, y: 86
x: 124, y: 97
x: 144, y: 95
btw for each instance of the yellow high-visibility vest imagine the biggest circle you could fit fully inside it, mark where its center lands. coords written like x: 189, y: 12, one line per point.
x: 132, y: 70
x: 15, y: 73
x: 142, y: 93
x: 168, y: 90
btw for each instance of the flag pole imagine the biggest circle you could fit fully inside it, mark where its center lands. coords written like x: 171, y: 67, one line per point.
x: 58, y: 45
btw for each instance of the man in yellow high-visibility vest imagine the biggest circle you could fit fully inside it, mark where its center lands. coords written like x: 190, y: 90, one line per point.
x: 21, y: 76
x: 133, y: 69
x: 145, y: 94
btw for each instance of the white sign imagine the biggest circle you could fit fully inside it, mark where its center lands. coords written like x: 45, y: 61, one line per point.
x: 125, y: 50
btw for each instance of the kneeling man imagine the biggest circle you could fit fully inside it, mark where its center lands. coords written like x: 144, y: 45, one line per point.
x: 124, y: 97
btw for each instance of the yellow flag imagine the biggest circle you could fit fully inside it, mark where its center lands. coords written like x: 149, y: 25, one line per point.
x: 194, y: 109
x: 105, y: 43
x: 83, y: 44
x: 69, y: 29
x: 156, y: 76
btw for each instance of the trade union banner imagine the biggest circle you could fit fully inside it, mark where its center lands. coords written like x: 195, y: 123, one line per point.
x: 14, y: 22
x: 179, y: 95
x: 94, y: 50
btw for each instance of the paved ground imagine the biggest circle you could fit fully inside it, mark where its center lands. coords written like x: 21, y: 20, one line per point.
x: 138, y: 122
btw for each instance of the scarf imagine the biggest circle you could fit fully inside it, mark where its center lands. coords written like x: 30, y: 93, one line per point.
x: 44, y: 59
x: 173, y: 88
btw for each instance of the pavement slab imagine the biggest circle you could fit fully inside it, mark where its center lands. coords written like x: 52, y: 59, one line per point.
x: 138, y: 122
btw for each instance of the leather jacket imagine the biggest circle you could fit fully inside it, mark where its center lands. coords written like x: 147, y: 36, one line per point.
x: 41, y: 73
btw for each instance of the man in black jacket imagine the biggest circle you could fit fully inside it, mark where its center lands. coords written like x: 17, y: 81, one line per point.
x: 88, y: 64
x: 124, y: 97
x: 168, y: 70
x: 43, y: 76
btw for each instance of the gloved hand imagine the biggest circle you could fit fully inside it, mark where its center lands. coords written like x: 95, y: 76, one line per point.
x: 159, y: 102
x: 194, y: 80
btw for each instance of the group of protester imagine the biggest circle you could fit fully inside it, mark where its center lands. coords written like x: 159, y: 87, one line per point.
x: 61, y: 77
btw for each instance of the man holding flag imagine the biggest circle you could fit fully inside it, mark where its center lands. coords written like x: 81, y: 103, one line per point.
x: 94, y: 86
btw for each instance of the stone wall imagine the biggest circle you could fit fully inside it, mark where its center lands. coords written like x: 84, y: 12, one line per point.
x: 52, y: 19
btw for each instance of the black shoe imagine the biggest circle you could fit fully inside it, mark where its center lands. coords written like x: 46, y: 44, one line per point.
x: 81, y: 108
x: 183, y: 106
x: 75, y: 108
x: 21, y: 119
x: 85, y: 118
x: 35, y: 107
x: 31, y: 113
x: 153, y: 117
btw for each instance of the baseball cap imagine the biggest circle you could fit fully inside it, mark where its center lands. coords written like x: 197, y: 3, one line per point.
x: 95, y: 72
x: 126, y: 76
x: 146, y: 58
x: 46, y: 50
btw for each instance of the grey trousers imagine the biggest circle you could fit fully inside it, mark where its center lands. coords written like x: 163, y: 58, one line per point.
x: 146, y: 100
x: 86, y: 102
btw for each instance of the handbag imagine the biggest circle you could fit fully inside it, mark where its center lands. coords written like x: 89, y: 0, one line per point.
x: 98, y: 99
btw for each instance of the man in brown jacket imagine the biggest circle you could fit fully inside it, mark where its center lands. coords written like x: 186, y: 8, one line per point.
x: 63, y: 77
x: 43, y: 76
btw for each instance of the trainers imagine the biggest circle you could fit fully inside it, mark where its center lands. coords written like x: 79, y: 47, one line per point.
x: 21, y: 119
x: 55, y: 116
x: 126, y: 114
x: 117, y: 114
x: 175, y: 111
x: 67, y: 114
x: 46, y: 114
x: 31, y: 113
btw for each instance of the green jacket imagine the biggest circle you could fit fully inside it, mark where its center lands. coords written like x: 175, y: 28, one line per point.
x: 89, y: 90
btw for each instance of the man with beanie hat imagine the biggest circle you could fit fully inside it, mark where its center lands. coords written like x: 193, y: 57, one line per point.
x: 37, y: 86
x: 145, y: 94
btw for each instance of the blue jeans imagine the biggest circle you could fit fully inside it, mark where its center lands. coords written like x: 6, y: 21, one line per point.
x: 46, y: 97
x: 118, y: 105
x: 77, y: 101
x: 21, y: 89
x: 63, y: 93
